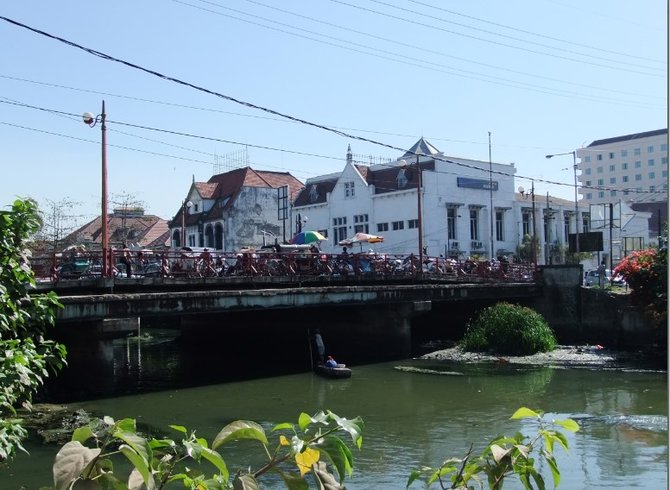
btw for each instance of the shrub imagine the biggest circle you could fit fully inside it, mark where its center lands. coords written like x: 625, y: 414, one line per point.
x: 646, y: 272
x: 509, y: 329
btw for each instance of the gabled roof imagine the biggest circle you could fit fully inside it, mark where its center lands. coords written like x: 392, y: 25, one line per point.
x: 227, y: 186
x: 423, y: 147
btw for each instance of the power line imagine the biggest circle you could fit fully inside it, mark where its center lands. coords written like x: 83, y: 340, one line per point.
x: 244, y: 103
x: 431, y: 51
x: 414, y: 62
x: 544, y: 36
x: 429, y: 26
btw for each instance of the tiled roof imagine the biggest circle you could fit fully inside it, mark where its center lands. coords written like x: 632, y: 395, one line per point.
x: 140, y: 230
x: 628, y: 137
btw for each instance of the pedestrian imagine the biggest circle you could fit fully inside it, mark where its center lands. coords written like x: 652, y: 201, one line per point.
x: 127, y: 260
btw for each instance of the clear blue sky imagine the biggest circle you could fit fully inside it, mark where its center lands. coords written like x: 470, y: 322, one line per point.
x: 542, y: 76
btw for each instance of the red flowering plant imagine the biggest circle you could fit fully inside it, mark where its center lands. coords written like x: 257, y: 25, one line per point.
x: 646, y: 272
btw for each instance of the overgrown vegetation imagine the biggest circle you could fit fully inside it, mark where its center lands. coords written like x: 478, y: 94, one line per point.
x: 646, y: 272
x: 509, y: 329
x: 26, y: 358
x: 504, y: 457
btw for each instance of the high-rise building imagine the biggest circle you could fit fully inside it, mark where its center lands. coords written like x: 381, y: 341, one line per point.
x: 631, y: 168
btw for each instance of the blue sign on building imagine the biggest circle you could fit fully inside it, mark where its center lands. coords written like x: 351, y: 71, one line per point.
x: 477, y: 183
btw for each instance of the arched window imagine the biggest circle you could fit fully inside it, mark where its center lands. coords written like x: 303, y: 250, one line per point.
x: 209, y: 236
x: 218, y: 236
x: 176, y: 239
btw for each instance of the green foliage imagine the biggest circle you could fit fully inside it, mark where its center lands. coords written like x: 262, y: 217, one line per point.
x: 503, y: 457
x: 646, y: 272
x: 311, y: 447
x: 25, y: 357
x: 509, y: 329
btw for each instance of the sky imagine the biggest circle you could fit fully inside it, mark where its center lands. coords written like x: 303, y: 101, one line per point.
x: 193, y: 88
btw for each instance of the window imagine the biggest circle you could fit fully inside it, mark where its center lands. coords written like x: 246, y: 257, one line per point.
x: 664, y: 160
x: 636, y: 151
x: 624, y: 166
x: 349, y: 189
x: 652, y: 188
x: 587, y: 183
x: 650, y: 149
x: 601, y: 181
x: 664, y: 173
x: 599, y: 157
x: 650, y: 162
x: 664, y: 147
x: 587, y: 171
x: 625, y: 178
x: 586, y: 217
x: 195, y: 208
x: 589, y: 196
x: 474, y: 224
x: 500, y: 232
x: 451, y: 223
x: 638, y: 164
x: 566, y: 227
x: 611, y: 155
x: 652, y: 175
x: 382, y: 227
x: 624, y: 153
x: 612, y: 180
x: 612, y: 168
x: 613, y: 193
x: 638, y: 177
x: 361, y: 223
x: 339, y: 229
x: 412, y: 223
x: 525, y: 222
x: 626, y: 192
x: 398, y: 225
x: 599, y: 170
x: 587, y: 159
x: 601, y: 194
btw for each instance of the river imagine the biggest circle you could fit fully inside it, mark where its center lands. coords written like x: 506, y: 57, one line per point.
x: 416, y: 412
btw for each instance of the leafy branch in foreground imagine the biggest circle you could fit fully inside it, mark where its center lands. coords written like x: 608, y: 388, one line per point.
x: 503, y: 457
x: 313, y: 447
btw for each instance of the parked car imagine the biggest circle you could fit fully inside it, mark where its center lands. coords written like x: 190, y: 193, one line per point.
x: 592, y: 278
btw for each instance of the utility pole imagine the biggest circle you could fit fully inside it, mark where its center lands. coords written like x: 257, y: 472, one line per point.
x: 491, y: 218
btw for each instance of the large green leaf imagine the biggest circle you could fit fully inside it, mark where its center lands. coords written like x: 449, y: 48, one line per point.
x: 216, y: 459
x: 354, y: 427
x: 72, y: 458
x: 568, y: 424
x: 525, y: 413
x: 338, y: 453
x: 82, y: 434
x: 138, y: 443
x: 140, y: 464
x: 240, y: 429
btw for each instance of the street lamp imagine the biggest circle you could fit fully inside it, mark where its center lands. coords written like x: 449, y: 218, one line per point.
x: 92, y: 120
x: 574, y: 167
x: 184, y: 206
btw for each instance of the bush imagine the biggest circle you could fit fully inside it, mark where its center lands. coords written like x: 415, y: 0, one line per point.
x: 646, y: 272
x: 509, y: 329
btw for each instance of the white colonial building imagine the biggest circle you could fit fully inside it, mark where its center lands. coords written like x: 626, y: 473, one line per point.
x: 468, y: 208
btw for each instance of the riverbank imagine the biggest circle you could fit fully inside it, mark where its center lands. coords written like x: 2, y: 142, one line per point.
x: 562, y: 356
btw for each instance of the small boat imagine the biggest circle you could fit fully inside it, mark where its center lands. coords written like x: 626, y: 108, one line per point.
x: 341, y: 371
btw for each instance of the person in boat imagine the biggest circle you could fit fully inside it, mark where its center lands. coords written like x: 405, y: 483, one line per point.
x: 330, y: 362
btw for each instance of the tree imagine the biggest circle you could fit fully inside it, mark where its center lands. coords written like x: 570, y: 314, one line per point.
x: 26, y: 358
x: 57, y: 223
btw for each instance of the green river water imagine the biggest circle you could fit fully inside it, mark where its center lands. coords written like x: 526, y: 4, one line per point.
x: 417, y: 415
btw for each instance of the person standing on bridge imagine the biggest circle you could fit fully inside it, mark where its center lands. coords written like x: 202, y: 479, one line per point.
x: 127, y: 260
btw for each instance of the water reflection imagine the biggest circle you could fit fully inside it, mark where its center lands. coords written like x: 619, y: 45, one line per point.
x: 416, y: 412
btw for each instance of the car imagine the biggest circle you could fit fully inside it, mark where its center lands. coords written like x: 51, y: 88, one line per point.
x: 592, y: 278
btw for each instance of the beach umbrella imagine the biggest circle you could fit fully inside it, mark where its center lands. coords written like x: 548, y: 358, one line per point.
x: 361, y: 238
x: 305, y: 237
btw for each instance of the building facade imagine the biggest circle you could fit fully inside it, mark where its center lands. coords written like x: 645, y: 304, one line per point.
x: 630, y: 168
x: 236, y: 209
